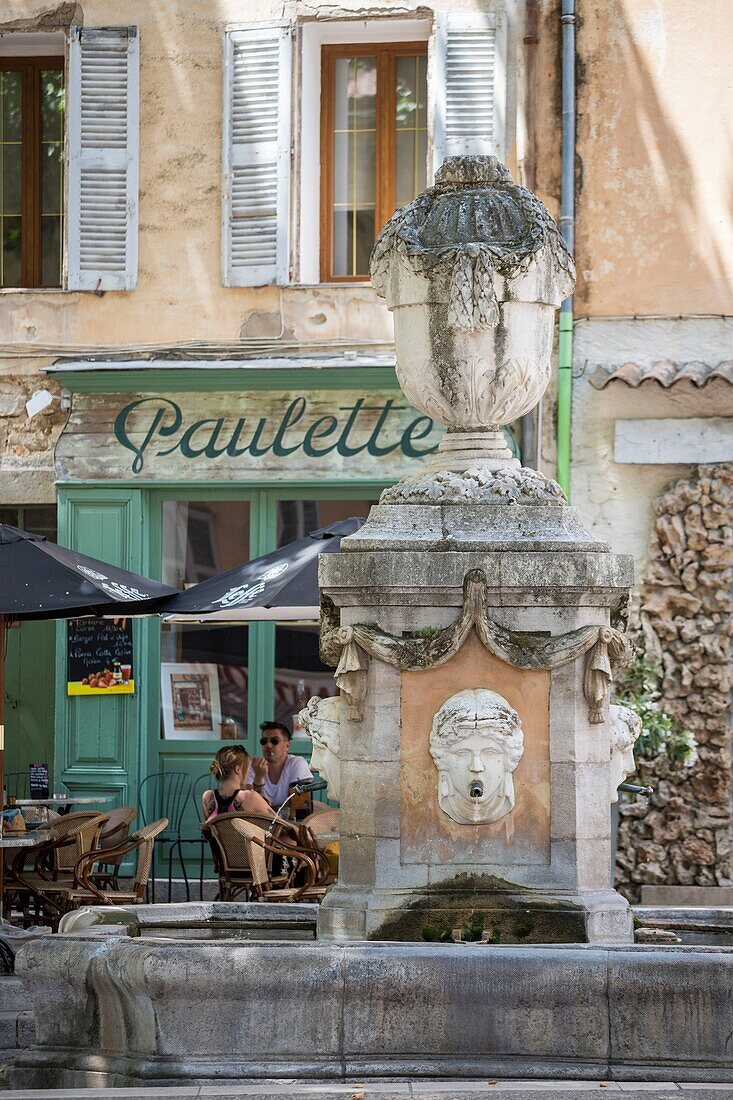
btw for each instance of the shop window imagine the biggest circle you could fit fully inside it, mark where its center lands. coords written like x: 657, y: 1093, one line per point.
x: 204, y: 667
x: 299, y: 672
x: 38, y: 519
x: 31, y: 169
x: 373, y: 146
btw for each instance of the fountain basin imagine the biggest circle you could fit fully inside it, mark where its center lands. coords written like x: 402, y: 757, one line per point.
x: 119, y: 1010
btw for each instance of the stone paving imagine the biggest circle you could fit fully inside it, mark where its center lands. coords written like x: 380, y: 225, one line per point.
x: 398, y: 1090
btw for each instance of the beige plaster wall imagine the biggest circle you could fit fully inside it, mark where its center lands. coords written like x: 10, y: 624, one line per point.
x: 655, y: 147
x: 616, y: 500
x: 179, y: 296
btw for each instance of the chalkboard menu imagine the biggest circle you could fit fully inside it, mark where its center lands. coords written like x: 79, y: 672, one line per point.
x: 38, y: 780
x: 99, y: 656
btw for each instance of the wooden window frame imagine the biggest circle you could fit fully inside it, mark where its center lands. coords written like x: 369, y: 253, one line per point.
x: 386, y: 54
x: 30, y: 194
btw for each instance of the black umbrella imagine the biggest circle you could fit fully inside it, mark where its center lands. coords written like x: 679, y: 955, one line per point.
x: 40, y: 580
x: 282, y: 585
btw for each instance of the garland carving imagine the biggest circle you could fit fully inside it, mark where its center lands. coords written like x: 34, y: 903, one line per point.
x: 348, y: 648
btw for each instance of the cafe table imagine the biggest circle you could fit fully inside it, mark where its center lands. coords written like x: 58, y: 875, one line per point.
x: 10, y: 839
x: 63, y: 801
x: 24, y: 840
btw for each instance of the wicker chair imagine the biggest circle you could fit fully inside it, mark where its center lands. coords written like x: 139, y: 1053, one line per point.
x: 114, y: 832
x: 53, y: 865
x: 230, y: 855
x: 257, y: 845
x: 85, y: 890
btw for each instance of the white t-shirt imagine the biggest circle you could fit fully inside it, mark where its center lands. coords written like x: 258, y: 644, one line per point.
x: 294, y: 769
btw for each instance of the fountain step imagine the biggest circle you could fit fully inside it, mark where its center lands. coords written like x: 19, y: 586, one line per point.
x: 703, y: 926
x: 394, y: 1090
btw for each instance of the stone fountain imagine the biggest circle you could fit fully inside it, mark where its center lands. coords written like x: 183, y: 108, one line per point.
x: 472, y: 625
x: 470, y: 619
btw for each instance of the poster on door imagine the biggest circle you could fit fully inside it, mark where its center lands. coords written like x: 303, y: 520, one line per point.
x: 100, y: 657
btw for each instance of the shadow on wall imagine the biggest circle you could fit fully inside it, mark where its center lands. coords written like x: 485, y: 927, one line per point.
x: 655, y: 203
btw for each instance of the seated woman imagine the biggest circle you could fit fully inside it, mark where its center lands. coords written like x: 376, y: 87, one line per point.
x: 272, y: 774
x: 229, y: 768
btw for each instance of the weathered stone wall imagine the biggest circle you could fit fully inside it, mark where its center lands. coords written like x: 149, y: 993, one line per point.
x: 683, y: 836
x: 26, y: 445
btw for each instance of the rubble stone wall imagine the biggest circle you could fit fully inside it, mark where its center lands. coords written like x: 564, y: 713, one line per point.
x: 682, y: 835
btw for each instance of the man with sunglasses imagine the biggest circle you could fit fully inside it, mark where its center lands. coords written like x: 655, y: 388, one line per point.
x: 272, y: 773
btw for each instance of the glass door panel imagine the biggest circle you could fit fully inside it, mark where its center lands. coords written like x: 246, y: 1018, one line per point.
x: 299, y: 673
x: 204, y: 667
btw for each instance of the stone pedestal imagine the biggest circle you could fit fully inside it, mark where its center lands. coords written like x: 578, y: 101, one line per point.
x: 469, y: 620
x: 541, y: 872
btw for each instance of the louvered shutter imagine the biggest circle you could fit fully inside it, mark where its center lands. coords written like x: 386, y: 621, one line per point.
x: 468, y: 85
x: 256, y: 156
x: 103, y: 158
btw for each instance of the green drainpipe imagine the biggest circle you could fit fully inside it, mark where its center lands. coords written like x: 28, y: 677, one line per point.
x: 564, y: 394
x: 567, y: 228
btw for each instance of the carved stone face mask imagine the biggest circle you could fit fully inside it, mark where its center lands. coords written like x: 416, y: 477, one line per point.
x: 322, y: 719
x: 476, y: 742
x: 625, y: 729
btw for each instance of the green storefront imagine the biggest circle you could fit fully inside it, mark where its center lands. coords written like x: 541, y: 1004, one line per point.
x: 179, y: 471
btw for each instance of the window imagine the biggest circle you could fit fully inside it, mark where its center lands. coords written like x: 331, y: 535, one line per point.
x: 38, y: 519
x: 373, y: 146
x: 31, y: 171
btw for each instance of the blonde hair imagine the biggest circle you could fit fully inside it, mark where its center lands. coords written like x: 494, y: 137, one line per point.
x: 227, y: 759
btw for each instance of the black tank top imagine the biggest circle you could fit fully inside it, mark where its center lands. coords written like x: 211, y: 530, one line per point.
x: 224, y: 802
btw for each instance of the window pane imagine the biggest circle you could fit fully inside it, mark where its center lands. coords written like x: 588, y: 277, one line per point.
x: 11, y: 166
x: 411, y: 128
x: 10, y: 515
x: 12, y: 175
x: 353, y: 232
x: 51, y: 167
x: 355, y: 91
x: 297, y: 518
x: 11, y: 84
x: 40, y: 520
x: 11, y: 268
x: 52, y: 105
x: 299, y: 673
x: 208, y: 683
x: 52, y: 180
x: 201, y: 538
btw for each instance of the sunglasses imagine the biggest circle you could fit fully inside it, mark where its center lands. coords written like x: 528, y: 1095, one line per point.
x: 269, y: 740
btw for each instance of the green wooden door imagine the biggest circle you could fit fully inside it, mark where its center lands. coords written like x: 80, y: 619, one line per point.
x: 29, y: 697
x: 98, y: 739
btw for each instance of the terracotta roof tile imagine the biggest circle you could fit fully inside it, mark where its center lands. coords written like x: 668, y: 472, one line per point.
x: 664, y: 372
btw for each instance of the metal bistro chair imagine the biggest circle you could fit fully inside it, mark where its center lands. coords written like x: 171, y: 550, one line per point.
x: 167, y: 795
x: 201, y: 784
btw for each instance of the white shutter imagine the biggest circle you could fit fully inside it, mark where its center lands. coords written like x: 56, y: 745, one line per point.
x: 468, y: 85
x: 103, y: 115
x: 256, y: 156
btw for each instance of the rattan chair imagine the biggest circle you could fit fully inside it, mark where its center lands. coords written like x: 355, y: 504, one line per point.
x: 257, y: 845
x: 85, y: 890
x: 53, y: 865
x: 230, y: 856
x: 114, y: 832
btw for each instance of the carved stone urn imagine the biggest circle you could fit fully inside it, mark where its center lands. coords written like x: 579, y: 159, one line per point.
x: 473, y: 270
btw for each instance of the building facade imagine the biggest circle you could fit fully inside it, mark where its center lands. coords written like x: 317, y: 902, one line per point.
x: 195, y: 368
